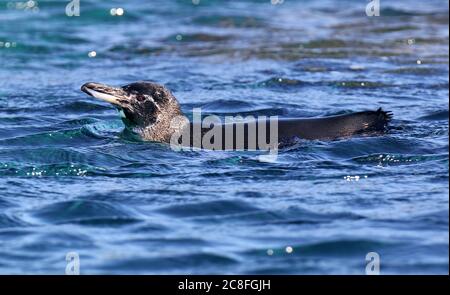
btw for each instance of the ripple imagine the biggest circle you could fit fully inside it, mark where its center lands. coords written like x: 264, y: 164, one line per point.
x: 238, y: 211
x: 419, y: 71
x: 360, y: 84
x: 213, y: 208
x: 189, y: 263
x: 136, y: 48
x: 68, y: 137
x: 441, y: 115
x: 81, y: 107
x: 92, y: 213
x: 57, y: 170
x: 283, y: 83
x: 8, y: 221
x: 341, y: 247
x: 229, y: 21
x: 224, y: 106
x: 392, y: 159
x: 200, y: 37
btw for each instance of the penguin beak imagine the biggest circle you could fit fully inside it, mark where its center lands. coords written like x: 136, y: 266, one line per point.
x: 113, y: 95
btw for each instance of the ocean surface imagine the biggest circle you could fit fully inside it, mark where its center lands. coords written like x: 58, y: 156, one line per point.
x: 72, y: 181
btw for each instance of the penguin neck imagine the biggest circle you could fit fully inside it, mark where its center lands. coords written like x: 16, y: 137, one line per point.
x: 164, y: 126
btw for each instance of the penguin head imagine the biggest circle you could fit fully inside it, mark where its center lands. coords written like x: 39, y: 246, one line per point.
x: 141, y: 104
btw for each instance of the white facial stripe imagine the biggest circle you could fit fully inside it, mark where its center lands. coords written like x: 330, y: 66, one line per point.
x: 154, y: 102
x: 106, y: 97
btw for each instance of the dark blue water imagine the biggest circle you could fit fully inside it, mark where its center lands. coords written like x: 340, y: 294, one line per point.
x: 71, y: 180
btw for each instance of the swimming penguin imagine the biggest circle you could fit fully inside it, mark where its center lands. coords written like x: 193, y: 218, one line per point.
x: 153, y: 112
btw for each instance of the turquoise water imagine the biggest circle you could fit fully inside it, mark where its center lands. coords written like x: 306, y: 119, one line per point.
x: 72, y: 180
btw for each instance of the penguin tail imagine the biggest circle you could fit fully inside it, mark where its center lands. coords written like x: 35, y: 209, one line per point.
x: 378, y: 120
x: 385, y: 116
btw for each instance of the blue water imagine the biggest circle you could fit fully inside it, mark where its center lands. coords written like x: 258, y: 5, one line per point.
x: 72, y: 181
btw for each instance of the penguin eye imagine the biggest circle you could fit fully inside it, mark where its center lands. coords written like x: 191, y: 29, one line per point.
x: 140, y: 98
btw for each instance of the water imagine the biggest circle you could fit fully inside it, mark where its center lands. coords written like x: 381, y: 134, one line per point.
x: 71, y: 180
